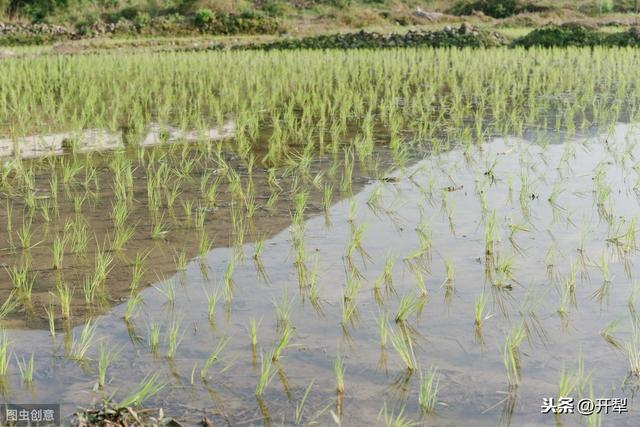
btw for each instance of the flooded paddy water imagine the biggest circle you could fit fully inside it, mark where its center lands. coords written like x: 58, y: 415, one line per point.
x: 449, y: 255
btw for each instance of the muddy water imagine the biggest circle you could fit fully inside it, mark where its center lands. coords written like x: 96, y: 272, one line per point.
x: 442, y: 192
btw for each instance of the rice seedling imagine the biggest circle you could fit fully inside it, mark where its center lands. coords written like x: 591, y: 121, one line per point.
x: 266, y: 374
x: 173, y: 338
x: 4, y: 353
x: 138, y: 270
x: 159, y: 229
x: 103, y: 265
x: 253, y: 331
x: 22, y: 280
x: 80, y: 236
x: 407, y: 307
x: 65, y: 295
x: 204, y: 245
x: 338, y: 371
x: 511, y: 354
x: 283, y: 311
x: 299, y: 410
x: 134, y: 302
x: 567, y: 384
x: 58, y: 252
x: 326, y: 197
x: 391, y: 419
x: 403, y: 345
x: 213, y: 357
x: 448, y: 281
x: 213, y: 297
x: 429, y: 386
x: 9, y: 305
x: 25, y: 236
x: 479, y: 310
x: 89, y: 287
x: 147, y: 388
x: 259, y: 246
x: 26, y: 368
x: 169, y: 292
x: 80, y: 345
x: 153, y: 339
x: 105, y: 358
x: 283, y: 342
x: 51, y: 317
x: 122, y: 236
x: 357, y: 234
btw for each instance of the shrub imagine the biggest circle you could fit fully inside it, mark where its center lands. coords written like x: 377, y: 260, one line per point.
x: 273, y: 8
x: 245, y: 23
x: 626, y: 38
x: 561, y: 35
x: 141, y: 20
x: 495, y: 8
x: 204, y: 17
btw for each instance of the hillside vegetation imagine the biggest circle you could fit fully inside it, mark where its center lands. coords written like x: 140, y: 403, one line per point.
x: 268, y: 16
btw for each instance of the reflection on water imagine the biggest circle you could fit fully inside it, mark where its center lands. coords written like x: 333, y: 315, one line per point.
x: 558, y: 266
x: 91, y: 140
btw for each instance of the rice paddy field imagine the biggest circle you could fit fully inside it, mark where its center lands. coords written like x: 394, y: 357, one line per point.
x: 397, y: 237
